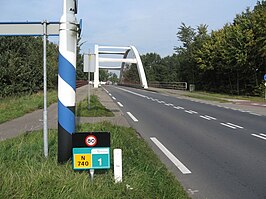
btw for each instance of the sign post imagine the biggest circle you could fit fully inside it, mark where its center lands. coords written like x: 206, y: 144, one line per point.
x: 35, y: 29
x: 45, y: 125
x: 265, y: 85
x: 89, y: 67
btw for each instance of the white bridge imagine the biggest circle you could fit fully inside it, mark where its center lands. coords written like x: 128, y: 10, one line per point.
x: 129, y: 55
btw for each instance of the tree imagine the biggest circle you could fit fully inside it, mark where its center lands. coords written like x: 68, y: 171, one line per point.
x: 113, y: 77
x: 21, y: 65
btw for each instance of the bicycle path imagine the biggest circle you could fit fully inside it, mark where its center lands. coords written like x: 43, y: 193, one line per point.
x: 34, y: 121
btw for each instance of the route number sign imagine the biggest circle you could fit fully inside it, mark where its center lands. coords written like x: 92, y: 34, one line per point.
x: 91, y: 158
x: 91, y: 150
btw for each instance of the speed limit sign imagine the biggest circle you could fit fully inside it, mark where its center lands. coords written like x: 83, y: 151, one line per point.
x: 90, y: 140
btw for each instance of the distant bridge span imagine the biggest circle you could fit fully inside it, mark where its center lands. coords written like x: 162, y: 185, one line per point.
x: 100, y: 57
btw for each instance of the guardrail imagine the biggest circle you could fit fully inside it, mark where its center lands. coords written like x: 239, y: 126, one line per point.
x: 169, y: 85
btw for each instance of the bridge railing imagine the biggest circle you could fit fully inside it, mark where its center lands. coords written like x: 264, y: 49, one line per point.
x: 169, y: 85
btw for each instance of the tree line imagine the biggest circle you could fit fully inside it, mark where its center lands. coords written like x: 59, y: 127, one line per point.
x: 229, y: 60
x: 21, y: 65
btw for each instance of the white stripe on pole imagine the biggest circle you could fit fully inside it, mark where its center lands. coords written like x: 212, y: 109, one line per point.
x: 65, y: 88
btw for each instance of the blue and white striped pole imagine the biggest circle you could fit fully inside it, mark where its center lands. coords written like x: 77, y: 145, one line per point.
x: 67, y: 80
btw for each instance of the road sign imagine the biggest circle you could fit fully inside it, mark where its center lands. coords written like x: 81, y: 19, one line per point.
x: 89, y: 63
x: 265, y: 77
x: 91, y: 158
x: 91, y: 150
x: 28, y: 28
x: 90, y: 140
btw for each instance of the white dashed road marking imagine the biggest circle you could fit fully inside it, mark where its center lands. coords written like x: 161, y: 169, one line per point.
x: 121, y: 105
x: 261, y: 136
x: 132, y: 117
x: 204, y: 117
x: 232, y: 126
x: 176, y: 162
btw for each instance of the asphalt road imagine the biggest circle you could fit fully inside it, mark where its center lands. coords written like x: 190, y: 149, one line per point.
x: 213, y: 151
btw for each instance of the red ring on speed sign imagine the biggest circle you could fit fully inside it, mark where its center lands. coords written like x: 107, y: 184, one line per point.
x: 90, y: 140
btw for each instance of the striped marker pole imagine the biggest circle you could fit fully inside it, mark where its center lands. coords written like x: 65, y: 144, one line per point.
x: 67, y: 80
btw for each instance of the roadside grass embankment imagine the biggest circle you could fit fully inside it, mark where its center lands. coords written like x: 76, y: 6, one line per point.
x: 25, y: 173
x: 222, y: 98
x: 96, y: 108
x: 14, y: 107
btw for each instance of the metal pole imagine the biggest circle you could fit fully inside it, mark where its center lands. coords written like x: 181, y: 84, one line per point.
x: 45, y: 127
x: 265, y: 89
x: 89, y: 94
x: 67, y: 80
x: 89, y: 77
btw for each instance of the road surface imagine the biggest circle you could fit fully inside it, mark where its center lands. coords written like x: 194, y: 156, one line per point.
x: 213, y: 151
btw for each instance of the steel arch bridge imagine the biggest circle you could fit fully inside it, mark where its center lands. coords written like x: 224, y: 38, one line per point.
x: 130, y: 56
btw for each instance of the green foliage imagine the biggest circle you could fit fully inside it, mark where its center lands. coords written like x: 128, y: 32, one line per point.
x: 130, y: 74
x: 230, y: 60
x: 21, y: 65
x: 103, y: 75
x: 25, y: 173
x: 113, y: 77
x: 80, y: 75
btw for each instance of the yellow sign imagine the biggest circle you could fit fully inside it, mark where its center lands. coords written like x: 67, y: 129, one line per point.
x: 82, y: 161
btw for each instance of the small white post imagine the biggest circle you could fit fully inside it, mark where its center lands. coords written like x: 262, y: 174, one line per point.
x: 92, y: 174
x: 118, y: 165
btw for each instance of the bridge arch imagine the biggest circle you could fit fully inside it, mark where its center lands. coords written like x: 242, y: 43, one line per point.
x: 123, y: 51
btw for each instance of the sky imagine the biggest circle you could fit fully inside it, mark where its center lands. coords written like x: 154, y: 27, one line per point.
x: 149, y: 25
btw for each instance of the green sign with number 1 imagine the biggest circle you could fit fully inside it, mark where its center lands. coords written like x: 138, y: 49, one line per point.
x: 91, y: 158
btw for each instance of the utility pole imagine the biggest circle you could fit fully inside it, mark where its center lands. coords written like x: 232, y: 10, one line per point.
x: 67, y: 79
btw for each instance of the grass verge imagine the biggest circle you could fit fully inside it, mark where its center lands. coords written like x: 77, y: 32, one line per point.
x: 223, y: 98
x: 13, y: 107
x: 96, y: 108
x: 205, y: 96
x: 25, y: 173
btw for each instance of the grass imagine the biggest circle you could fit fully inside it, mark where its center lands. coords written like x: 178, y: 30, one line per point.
x: 96, y: 108
x: 205, y: 96
x: 13, y: 107
x: 222, y: 97
x: 25, y: 173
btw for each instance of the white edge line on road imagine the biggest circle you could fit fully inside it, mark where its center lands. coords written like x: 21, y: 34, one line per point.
x: 254, y: 114
x: 114, y: 98
x: 227, y: 125
x: 235, y: 125
x: 263, y: 134
x: 264, y: 138
x: 132, y: 117
x: 121, y: 105
x: 176, y: 162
